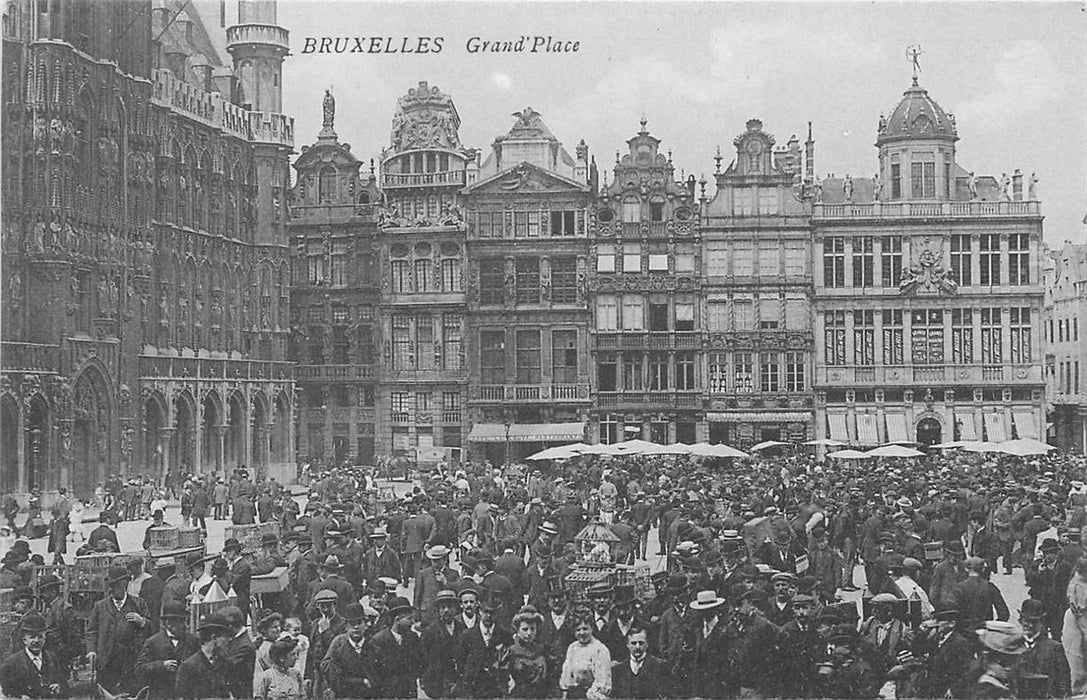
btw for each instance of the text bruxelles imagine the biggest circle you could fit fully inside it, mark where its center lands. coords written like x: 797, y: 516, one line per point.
x: 435, y: 44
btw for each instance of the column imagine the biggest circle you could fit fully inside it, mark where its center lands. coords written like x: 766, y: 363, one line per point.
x: 165, y: 436
x: 220, y: 438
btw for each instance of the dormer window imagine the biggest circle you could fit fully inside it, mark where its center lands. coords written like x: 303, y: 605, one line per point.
x: 326, y: 184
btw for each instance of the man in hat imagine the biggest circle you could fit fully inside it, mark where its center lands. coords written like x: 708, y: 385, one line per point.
x: 301, y: 569
x: 177, y: 587
x: 239, y: 654
x: 436, y: 577
x: 1047, y: 578
x: 536, y: 578
x: 32, y: 671
x: 707, y: 673
x: 241, y: 574
x: 1043, y: 669
x: 482, y: 673
x: 977, y: 598
x: 948, y: 573
x: 887, y: 634
x: 148, y: 587
x: 327, y: 624
x: 347, y: 666
x: 156, y: 521
x: 397, y: 653
x: 512, y: 566
x: 439, y: 642
x: 752, y: 641
x: 641, y: 675
x: 117, y: 627
x: 675, y: 629
x: 558, y: 626
x: 103, y: 532
x: 61, y: 630
x: 201, y: 676
x: 824, y: 563
x: 911, y: 588
x: 946, y: 657
x: 416, y: 532
x: 162, y: 653
x: 243, y: 510
x: 381, y: 560
x: 623, y: 616
x: 799, y: 645
x: 495, y: 584
x: 780, y: 609
x: 1002, y: 646
x: 329, y: 580
x: 268, y: 559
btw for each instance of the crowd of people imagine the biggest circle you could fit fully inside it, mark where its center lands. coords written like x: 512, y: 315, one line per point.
x: 468, y: 586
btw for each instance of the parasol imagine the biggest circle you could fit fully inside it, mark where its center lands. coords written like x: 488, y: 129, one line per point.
x: 894, y: 451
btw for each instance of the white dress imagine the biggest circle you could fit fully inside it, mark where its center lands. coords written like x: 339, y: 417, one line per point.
x: 1074, y: 632
x: 75, y: 521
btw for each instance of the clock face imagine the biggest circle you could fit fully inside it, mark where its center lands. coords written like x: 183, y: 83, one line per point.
x: 754, y: 147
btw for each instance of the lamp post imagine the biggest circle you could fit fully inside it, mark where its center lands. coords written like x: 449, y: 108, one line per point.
x: 508, y: 424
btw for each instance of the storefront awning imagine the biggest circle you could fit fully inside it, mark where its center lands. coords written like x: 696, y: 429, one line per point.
x: 968, y: 430
x: 994, y: 426
x: 896, y: 428
x: 838, y: 429
x: 867, y: 432
x: 759, y: 417
x: 1025, y: 424
x: 527, y: 432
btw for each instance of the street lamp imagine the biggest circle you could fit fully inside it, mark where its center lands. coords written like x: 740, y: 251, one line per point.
x: 508, y: 424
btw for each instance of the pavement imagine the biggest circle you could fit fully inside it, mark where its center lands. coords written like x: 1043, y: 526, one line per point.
x: 130, y: 535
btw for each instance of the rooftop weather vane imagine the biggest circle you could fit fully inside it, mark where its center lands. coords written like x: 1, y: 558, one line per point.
x: 913, y: 53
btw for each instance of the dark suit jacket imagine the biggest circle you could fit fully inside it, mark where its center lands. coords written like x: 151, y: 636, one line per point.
x: 198, y: 678
x: 440, y: 671
x: 707, y: 676
x: 346, y: 673
x: 116, y: 641
x: 1045, y: 658
x: 397, y: 666
x: 481, y: 675
x: 239, y: 658
x: 513, y: 568
x: 19, y: 676
x: 654, y: 680
x: 387, y: 564
x: 150, y: 669
x: 749, y: 648
x: 947, y: 668
x: 977, y: 599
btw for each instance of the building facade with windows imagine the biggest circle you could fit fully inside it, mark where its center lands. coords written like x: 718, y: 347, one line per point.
x: 335, y: 295
x: 756, y: 296
x: 145, y: 257
x: 421, y: 246
x: 645, y: 297
x: 928, y: 293
x: 528, y: 249
x: 1065, y: 272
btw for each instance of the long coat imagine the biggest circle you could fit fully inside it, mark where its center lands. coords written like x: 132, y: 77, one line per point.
x: 440, y: 673
x: 482, y: 673
x: 1046, y: 658
x: 20, y: 677
x: 707, y: 675
x: 150, y: 665
x: 653, y: 680
x: 116, y: 641
x: 398, y: 666
x: 346, y: 673
x: 198, y: 678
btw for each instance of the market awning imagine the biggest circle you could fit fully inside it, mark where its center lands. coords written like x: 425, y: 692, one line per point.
x: 968, y: 431
x: 838, y: 429
x: 1025, y: 425
x: 867, y: 432
x: 760, y: 417
x: 896, y: 428
x: 994, y: 426
x: 527, y: 432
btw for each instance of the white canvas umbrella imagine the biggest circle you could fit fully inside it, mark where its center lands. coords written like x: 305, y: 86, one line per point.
x: 768, y: 444
x: 560, y: 452
x: 722, y: 450
x: 848, y: 454
x: 979, y: 446
x: 894, y: 451
x: 1024, y: 447
x: 955, y: 444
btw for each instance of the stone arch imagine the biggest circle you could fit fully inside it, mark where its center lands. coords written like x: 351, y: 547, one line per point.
x: 211, y: 426
x: 183, y: 438
x: 929, y: 429
x: 237, y: 423
x: 259, y: 429
x: 156, y: 417
x: 11, y: 428
x: 280, y: 443
x: 92, y: 430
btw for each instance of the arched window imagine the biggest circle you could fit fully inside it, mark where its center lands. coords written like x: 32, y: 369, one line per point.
x: 326, y: 184
x: 632, y: 210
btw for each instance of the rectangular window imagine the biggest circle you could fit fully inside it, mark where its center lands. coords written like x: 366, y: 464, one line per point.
x: 769, y: 372
x: 961, y: 259
x: 658, y: 316
x: 400, y: 403
x: 989, y: 245
x: 769, y: 313
x: 717, y: 319
x: 992, y: 345
x: 795, y: 261
x: 339, y: 263
x: 896, y: 181
x: 563, y: 223
x: 313, y: 267
x: 450, y: 405
x: 744, y: 372
x: 745, y: 314
x: 684, y: 316
x: 684, y: 262
x: 632, y: 210
x: 685, y: 371
x: 658, y: 371
x: 1018, y: 258
x: 528, y: 280
x: 633, y: 371
x: 564, y: 280
x: 962, y: 336
x: 923, y: 178
x: 633, y: 313
x: 422, y: 275
x: 422, y: 404
x: 400, y: 276
x: 520, y: 224
x: 716, y: 259
x: 796, y: 313
x: 402, y: 345
x: 492, y: 281
x: 743, y: 259
x: 890, y: 259
x: 769, y: 259
x: 893, y: 345
x: 834, y: 337
x: 658, y: 262
x: 424, y: 343
x: 656, y: 211
x: 632, y: 257
x: 864, y: 338
x: 927, y: 336
x: 718, y: 372
x: 609, y: 430
x: 606, y: 373
x: 605, y: 262
x: 492, y: 357
x: 864, y: 262
x: 534, y: 224
x: 528, y: 357
x: 563, y: 357
x: 451, y: 281
x: 834, y: 261
x: 452, y: 342
x: 794, y: 372
x: 607, y: 313
x: 1019, y: 322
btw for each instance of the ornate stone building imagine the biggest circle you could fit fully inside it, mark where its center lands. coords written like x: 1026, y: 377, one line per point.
x: 421, y: 243
x: 335, y: 292
x: 646, y: 291
x: 928, y: 296
x: 1065, y: 273
x: 528, y: 247
x: 756, y: 296
x: 144, y: 244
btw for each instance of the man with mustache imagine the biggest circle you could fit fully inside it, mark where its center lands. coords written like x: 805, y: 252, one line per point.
x: 33, y: 672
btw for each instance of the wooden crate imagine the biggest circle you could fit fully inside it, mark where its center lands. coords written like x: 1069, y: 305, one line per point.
x: 104, y: 559
x: 163, y: 538
x: 274, y: 582
x: 188, y: 537
x: 198, y: 610
x: 249, y: 535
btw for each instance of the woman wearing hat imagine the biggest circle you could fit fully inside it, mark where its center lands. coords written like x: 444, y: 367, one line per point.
x: 586, y: 671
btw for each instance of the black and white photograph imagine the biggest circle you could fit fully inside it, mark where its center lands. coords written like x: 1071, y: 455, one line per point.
x: 615, y: 349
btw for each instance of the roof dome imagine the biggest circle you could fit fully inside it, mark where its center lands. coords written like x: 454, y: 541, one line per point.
x: 917, y: 116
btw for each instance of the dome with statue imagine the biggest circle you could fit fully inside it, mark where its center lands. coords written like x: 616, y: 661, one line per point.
x: 917, y: 116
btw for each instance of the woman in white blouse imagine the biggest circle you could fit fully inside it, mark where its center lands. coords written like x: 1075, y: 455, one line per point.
x: 586, y: 672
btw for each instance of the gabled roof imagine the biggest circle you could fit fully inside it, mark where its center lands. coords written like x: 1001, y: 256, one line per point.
x: 516, y: 176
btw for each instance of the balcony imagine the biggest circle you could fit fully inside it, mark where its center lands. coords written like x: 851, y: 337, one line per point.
x: 654, y: 340
x: 649, y: 400
x: 920, y: 210
x: 527, y: 393
x: 213, y: 368
x: 448, y: 177
x: 265, y: 34
x: 912, y: 375
x: 28, y: 357
x: 331, y: 213
x: 333, y: 373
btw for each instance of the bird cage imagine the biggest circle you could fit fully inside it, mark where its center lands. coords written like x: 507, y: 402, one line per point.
x: 596, y: 543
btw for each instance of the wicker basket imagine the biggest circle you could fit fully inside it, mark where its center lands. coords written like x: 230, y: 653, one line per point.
x: 249, y: 535
x: 163, y: 538
x: 189, y: 537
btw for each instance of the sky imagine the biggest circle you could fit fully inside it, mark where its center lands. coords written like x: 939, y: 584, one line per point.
x: 1013, y: 74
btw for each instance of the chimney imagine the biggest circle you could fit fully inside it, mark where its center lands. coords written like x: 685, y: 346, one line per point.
x: 809, y: 157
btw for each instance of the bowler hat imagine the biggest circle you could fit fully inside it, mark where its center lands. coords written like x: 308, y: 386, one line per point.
x: 1032, y: 609
x: 116, y: 573
x: 32, y: 623
x: 1050, y: 545
x: 624, y: 595
x: 173, y: 610
x: 354, y: 613
x: 331, y: 562
x: 231, y: 543
x: 214, y: 622
x: 268, y: 538
x: 398, y: 606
